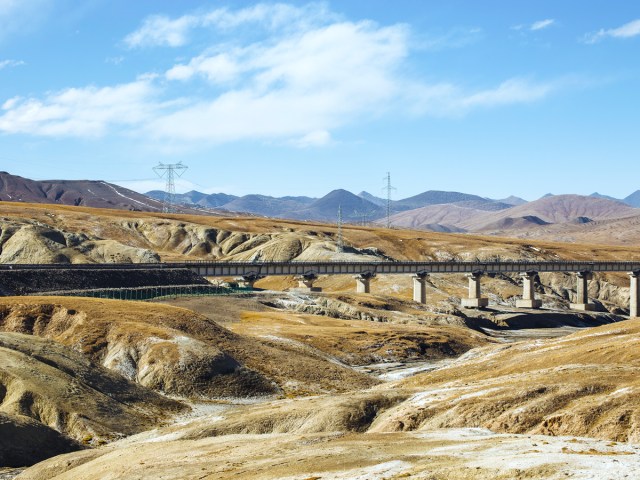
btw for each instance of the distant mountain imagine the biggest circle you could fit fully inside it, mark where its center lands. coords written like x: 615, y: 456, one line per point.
x: 194, y: 197
x: 557, y: 209
x: 326, y: 208
x: 86, y: 193
x: 599, y: 195
x: 512, y: 200
x: 633, y: 199
x: 435, y: 197
x: 216, y: 200
x: 264, y: 205
x: 373, y: 199
x: 515, y: 223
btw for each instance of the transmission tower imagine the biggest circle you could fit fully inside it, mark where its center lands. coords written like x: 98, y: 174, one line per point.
x: 340, y: 238
x: 169, y: 171
x: 388, y: 189
x: 363, y: 216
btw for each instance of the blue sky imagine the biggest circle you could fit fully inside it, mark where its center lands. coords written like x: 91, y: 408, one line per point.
x: 492, y: 98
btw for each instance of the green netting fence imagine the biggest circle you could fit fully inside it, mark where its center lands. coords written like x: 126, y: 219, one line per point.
x: 150, y: 293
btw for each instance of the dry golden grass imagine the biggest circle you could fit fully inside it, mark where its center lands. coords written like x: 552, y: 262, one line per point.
x: 447, y: 455
x: 400, y: 244
x: 583, y: 384
x: 177, y: 350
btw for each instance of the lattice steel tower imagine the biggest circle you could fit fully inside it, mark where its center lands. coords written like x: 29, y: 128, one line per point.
x: 340, y: 237
x: 389, y: 189
x: 169, y: 171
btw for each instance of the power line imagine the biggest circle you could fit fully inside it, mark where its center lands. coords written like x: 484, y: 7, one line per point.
x: 169, y: 171
x: 389, y: 189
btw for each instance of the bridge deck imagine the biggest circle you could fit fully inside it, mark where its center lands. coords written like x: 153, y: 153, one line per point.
x: 230, y: 269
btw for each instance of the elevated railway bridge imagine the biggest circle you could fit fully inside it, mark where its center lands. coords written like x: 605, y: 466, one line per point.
x: 363, y: 272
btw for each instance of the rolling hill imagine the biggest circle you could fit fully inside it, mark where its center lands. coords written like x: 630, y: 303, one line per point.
x: 554, y: 209
x: 86, y: 193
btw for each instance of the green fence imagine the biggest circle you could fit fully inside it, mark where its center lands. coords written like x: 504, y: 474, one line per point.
x: 150, y: 293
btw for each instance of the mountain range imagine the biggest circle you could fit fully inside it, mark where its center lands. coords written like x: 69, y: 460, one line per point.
x: 552, y: 216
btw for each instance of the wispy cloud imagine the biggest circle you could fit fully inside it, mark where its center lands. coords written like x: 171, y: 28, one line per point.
x: 10, y: 63
x: 294, y: 86
x: 80, y: 112
x: 535, y: 26
x: 628, y: 30
x: 542, y: 24
x: 449, y: 100
x: 454, y: 38
x: 160, y: 30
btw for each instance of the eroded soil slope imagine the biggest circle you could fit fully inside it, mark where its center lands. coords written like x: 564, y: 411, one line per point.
x: 175, y: 350
x: 582, y: 384
x: 59, y: 388
x: 441, y: 455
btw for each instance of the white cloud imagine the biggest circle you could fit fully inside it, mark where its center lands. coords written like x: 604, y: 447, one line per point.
x: 160, y: 30
x: 450, y: 100
x: 293, y: 86
x: 10, y: 63
x: 541, y: 24
x: 318, y: 138
x: 302, y: 83
x: 535, y: 26
x: 628, y: 30
x: 80, y: 112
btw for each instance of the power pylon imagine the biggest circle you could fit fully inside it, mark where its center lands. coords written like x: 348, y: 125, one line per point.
x: 389, y: 189
x: 340, y: 241
x: 169, y: 171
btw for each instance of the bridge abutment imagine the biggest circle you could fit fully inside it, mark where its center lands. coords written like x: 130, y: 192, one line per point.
x: 305, y: 283
x: 528, y: 292
x: 582, y: 292
x: 475, y: 299
x: 248, y: 281
x: 420, y: 287
x: 634, y: 294
x: 363, y: 282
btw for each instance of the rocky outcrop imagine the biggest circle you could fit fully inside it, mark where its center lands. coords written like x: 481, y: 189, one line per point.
x: 61, y: 389
x: 24, y: 441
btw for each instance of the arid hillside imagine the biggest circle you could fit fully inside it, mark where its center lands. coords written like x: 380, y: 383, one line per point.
x: 561, y: 211
x: 549, y: 395
x: 33, y: 233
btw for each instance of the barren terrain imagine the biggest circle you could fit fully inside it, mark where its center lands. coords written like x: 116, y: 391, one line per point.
x: 281, y: 383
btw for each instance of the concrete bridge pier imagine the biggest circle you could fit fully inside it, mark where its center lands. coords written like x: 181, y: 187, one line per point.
x: 475, y: 300
x: 420, y: 287
x: 528, y: 292
x: 248, y: 281
x: 634, y: 294
x: 582, y: 292
x: 305, y: 283
x: 363, y: 282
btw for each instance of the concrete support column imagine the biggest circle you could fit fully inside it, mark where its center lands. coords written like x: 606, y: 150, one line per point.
x: 528, y: 292
x: 363, y: 282
x: 305, y: 283
x: 475, y: 299
x: 420, y: 287
x: 634, y: 294
x: 248, y: 281
x: 582, y: 292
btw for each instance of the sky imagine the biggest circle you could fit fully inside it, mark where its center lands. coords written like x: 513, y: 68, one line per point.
x: 492, y: 98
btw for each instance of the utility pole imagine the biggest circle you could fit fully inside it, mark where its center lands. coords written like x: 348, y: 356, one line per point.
x: 169, y: 171
x: 340, y: 239
x: 389, y: 189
